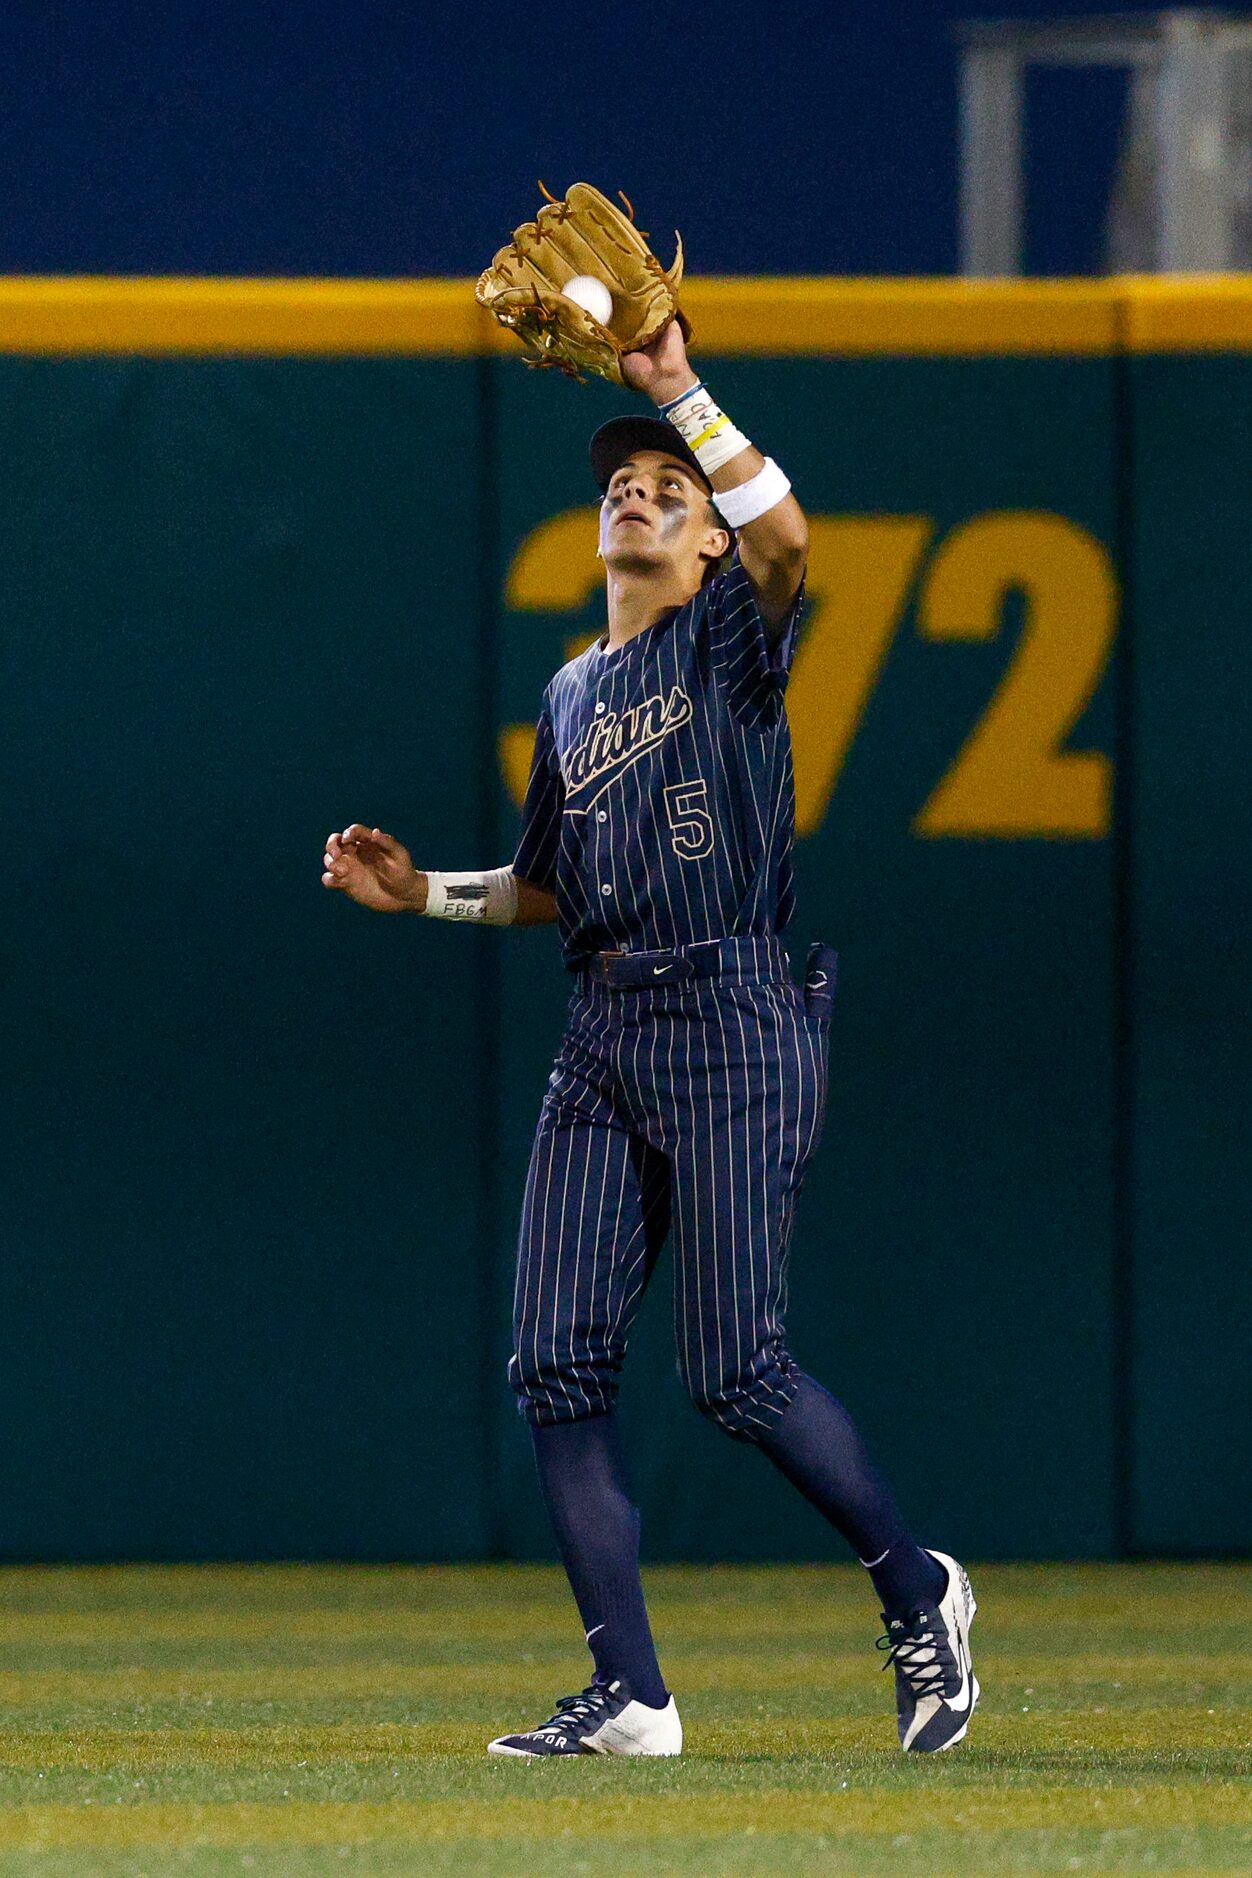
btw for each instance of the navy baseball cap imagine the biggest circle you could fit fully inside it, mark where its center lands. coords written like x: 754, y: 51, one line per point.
x: 619, y: 439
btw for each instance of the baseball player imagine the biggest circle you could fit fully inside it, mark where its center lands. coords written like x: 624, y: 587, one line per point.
x: 687, y: 1095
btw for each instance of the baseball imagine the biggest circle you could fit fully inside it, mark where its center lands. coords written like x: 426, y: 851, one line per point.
x: 591, y: 295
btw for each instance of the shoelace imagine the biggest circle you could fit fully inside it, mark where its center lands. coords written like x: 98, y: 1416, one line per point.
x: 922, y: 1654
x: 574, y: 1710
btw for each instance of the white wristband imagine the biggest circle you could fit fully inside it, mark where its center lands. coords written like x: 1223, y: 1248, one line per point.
x: 704, y: 428
x: 756, y: 497
x: 490, y: 898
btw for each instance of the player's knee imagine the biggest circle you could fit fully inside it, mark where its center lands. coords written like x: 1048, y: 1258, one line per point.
x: 552, y: 1387
x: 745, y: 1401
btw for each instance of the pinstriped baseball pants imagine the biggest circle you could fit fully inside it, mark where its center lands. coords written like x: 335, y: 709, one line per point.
x: 689, y: 1108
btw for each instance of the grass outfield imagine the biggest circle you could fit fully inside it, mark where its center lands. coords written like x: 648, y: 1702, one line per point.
x: 301, y: 1721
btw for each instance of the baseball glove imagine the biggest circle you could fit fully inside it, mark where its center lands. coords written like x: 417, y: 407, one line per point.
x: 585, y: 234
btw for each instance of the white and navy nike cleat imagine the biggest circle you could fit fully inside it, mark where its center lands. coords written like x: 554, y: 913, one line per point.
x: 936, y: 1688
x: 604, y: 1719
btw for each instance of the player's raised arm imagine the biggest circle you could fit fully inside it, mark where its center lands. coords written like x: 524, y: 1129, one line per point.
x: 377, y: 871
x: 750, y: 491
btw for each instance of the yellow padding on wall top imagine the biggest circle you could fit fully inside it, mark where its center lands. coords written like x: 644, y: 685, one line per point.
x: 85, y: 314
x: 732, y: 316
x: 900, y: 317
x: 1187, y: 312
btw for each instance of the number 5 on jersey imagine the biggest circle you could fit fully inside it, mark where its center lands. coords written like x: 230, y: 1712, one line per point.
x: 690, y: 820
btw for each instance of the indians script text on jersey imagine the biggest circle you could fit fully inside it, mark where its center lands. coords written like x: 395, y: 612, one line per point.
x: 661, y: 808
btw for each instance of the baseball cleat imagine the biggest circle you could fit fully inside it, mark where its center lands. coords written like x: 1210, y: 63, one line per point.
x: 604, y: 1719
x: 936, y: 1688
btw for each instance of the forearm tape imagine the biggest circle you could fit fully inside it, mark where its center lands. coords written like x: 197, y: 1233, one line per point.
x: 707, y: 431
x: 489, y: 898
x: 705, y: 428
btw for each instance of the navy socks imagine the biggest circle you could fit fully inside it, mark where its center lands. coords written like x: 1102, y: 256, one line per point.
x: 596, y: 1524
x: 817, y: 1447
x: 904, y: 1577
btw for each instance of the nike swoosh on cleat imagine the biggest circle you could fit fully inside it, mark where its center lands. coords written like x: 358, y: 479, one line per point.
x: 966, y: 1668
x: 658, y: 969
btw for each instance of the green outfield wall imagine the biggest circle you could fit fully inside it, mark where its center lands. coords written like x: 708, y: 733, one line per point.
x: 281, y: 555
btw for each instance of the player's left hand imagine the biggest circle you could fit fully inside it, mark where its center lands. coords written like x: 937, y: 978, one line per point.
x: 661, y: 370
x: 373, y: 869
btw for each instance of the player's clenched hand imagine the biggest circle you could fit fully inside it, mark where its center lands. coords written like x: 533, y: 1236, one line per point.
x: 373, y: 869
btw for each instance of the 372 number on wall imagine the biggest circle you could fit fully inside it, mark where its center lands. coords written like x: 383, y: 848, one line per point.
x: 1013, y: 778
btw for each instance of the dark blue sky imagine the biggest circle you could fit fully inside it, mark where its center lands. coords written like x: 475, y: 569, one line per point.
x: 379, y: 138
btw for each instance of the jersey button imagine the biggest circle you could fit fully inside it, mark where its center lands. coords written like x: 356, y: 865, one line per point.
x: 600, y: 704
x: 606, y: 889
x: 602, y: 816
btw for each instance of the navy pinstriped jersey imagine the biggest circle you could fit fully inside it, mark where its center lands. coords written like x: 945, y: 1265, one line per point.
x: 661, y: 806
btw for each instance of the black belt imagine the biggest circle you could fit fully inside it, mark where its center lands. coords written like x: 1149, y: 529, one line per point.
x: 754, y: 957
